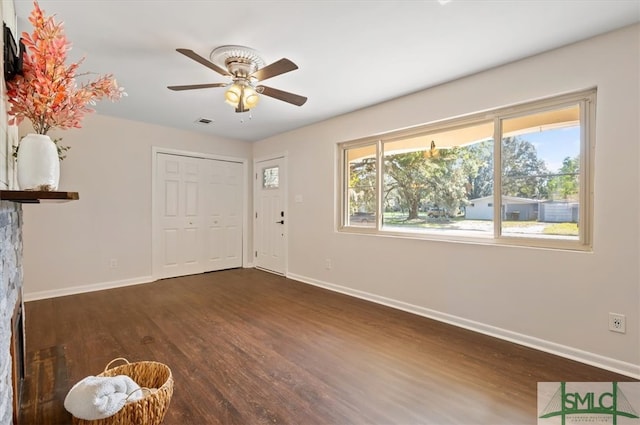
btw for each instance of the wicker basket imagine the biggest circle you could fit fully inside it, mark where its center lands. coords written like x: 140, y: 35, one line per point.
x: 149, y: 410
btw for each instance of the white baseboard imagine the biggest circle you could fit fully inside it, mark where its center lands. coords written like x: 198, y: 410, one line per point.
x: 607, y: 363
x: 39, y: 295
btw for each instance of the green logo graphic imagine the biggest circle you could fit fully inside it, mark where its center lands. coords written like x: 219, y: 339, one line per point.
x: 564, y: 403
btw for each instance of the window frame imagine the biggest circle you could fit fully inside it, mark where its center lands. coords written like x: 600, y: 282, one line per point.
x: 343, y: 180
x: 586, y: 99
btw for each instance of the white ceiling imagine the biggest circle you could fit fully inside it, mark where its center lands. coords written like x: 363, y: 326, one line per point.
x: 351, y: 54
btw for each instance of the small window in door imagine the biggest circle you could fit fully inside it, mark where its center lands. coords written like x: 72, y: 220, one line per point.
x: 270, y: 178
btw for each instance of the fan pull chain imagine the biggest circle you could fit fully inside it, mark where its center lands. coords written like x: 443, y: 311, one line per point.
x: 242, y: 118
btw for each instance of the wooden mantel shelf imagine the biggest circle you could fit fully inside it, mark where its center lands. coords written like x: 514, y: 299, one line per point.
x: 37, y: 196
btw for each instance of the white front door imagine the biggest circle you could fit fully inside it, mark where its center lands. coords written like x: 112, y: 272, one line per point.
x: 270, y: 215
x: 197, y: 215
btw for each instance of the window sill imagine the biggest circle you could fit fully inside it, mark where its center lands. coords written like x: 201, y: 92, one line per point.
x: 466, y: 237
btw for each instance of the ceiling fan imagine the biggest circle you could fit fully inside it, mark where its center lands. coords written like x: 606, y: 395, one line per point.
x: 246, y: 68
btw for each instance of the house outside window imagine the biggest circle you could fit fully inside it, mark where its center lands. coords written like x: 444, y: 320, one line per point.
x: 451, y: 180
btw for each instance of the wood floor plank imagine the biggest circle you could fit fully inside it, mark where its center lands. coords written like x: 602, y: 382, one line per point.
x: 45, y: 386
x: 248, y: 347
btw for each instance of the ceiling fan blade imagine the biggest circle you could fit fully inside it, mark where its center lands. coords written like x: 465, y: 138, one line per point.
x: 196, y: 86
x: 280, y: 67
x: 196, y: 57
x: 282, y: 95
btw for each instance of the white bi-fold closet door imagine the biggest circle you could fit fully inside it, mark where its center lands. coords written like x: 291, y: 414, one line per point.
x: 197, y: 215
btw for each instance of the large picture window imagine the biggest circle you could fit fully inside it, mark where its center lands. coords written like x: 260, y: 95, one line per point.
x: 516, y: 175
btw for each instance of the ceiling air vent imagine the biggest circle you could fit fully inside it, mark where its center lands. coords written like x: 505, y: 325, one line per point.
x: 204, y: 121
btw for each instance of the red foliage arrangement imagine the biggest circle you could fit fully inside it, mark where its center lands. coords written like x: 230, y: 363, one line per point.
x: 47, y: 92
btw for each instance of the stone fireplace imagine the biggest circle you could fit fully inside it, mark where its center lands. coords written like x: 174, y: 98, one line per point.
x: 11, y: 310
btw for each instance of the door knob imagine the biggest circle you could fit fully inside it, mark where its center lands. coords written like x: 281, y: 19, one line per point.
x: 281, y: 222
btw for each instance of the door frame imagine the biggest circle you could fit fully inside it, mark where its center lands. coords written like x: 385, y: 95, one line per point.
x: 285, y: 199
x: 155, y: 150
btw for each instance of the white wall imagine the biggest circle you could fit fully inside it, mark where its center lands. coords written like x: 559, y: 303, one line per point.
x: 68, y: 246
x: 554, y: 300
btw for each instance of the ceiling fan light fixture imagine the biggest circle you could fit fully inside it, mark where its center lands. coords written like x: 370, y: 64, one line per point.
x: 250, y: 97
x: 242, y: 96
x: 233, y: 95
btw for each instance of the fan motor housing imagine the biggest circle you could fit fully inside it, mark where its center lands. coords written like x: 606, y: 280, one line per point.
x: 240, y: 61
x: 240, y: 67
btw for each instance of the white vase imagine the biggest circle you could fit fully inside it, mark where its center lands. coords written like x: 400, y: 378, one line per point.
x: 38, y: 163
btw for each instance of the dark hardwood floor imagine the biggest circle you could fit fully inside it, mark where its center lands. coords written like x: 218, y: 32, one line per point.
x: 248, y: 347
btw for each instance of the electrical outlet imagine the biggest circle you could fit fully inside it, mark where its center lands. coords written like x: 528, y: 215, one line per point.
x: 113, y: 263
x: 327, y: 264
x: 617, y: 323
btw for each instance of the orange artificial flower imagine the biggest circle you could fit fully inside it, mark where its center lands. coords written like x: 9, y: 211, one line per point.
x: 47, y: 92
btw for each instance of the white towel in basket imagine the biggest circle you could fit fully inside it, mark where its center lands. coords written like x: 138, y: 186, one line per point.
x: 98, y: 397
